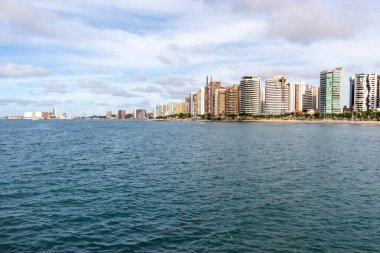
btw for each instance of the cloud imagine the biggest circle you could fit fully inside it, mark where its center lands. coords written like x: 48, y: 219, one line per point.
x: 302, y: 22
x: 102, y: 87
x: 18, y: 101
x: 148, y: 89
x: 21, y: 15
x: 177, y: 86
x: 50, y: 87
x: 29, y: 102
x: 9, y: 70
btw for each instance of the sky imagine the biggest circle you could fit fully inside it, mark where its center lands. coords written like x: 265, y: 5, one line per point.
x: 91, y: 56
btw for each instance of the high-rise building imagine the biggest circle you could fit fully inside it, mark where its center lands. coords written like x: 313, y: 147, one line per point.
x: 187, y: 105
x: 54, y: 115
x: 220, y: 101
x: 308, y: 98
x: 208, y: 95
x: 139, y: 114
x: 262, y: 101
x: 365, y: 92
x: 232, y: 99
x: 180, y: 107
x: 319, y: 99
x: 302, y: 97
x: 193, y: 104
x: 250, y: 95
x: 46, y: 115
x: 164, y: 110
x: 331, y: 85
x: 298, y: 108
x: 201, y: 98
x: 292, y: 97
x: 378, y: 93
x: 109, y: 114
x: 121, y: 114
x: 314, y: 94
x: 276, y: 95
x: 212, y: 87
x: 352, y: 93
x: 157, y: 111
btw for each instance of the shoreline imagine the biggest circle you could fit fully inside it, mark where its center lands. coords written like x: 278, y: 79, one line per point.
x: 280, y: 121
x: 285, y: 121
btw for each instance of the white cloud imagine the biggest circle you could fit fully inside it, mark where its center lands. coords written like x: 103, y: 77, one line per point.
x: 10, y: 70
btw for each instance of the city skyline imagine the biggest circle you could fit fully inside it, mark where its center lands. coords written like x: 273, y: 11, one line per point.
x: 92, y: 57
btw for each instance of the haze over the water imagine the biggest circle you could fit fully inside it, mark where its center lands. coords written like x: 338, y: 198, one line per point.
x: 90, y: 56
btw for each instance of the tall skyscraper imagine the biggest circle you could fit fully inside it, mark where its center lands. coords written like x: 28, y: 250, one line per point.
x: 121, y: 114
x: 378, y: 93
x: 308, y: 98
x: 172, y: 108
x: 331, y: 85
x: 299, y: 91
x: 201, y: 97
x: 292, y: 97
x: 314, y: 93
x: 302, y: 97
x: 365, y: 92
x: 250, y: 95
x: 352, y: 93
x: 220, y: 101
x: 193, y: 104
x: 214, y: 86
x: 276, y: 95
x: 164, y: 110
x: 262, y: 101
x: 187, y: 105
x: 180, y: 107
x: 232, y: 99
x: 139, y: 114
x: 208, y: 95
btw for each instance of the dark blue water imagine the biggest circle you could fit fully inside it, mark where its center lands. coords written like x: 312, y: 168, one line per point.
x: 135, y: 186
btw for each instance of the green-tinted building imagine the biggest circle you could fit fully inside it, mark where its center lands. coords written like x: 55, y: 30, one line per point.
x: 331, y: 91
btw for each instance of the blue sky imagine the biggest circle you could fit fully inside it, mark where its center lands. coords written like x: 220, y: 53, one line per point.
x: 91, y: 56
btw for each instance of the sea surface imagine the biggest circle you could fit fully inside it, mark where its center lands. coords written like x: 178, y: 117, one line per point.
x: 147, y: 186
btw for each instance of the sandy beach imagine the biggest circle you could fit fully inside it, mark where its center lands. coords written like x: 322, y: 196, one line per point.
x: 284, y: 121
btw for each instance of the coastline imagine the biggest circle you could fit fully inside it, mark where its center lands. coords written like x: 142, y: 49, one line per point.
x: 275, y: 121
x: 284, y: 121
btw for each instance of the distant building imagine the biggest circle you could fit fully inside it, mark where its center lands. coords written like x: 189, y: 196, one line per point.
x: 302, y: 97
x: 211, y: 96
x: 292, y: 97
x: 220, y: 101
x: 250, y: 95
x: 193, y: 104
x: 180, y: 107
x: 54, y: 114
x: 315, y: 98
x: 331, y: 91
x: 32, y: 115
x: 121, y: 114
x: 276, y: 95
x: 232, y: 100
x: 308, y: 98
x: 46, y: 115
x: 363, y: 92
x: 201, y: 101
x: 378, y: 93
x: 139, y: 114
x: 109, y: 114
x: 187, y: 105
x: 262, y: 101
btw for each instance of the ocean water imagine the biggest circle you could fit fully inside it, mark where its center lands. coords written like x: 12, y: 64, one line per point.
x: 145, y: 186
